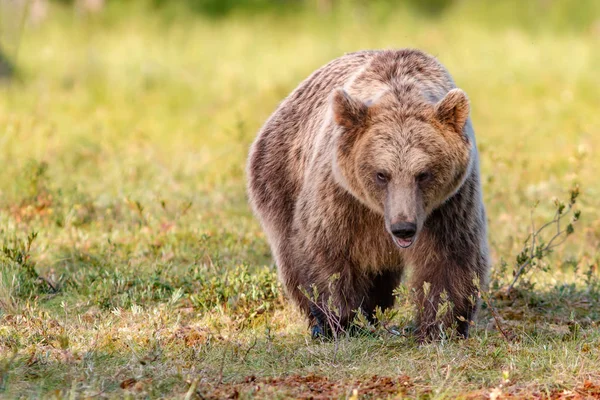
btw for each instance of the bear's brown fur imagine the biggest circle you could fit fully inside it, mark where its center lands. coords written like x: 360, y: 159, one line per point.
x: 369, y: 166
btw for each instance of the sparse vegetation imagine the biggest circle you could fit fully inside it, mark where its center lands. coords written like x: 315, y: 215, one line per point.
x: 131, y: 266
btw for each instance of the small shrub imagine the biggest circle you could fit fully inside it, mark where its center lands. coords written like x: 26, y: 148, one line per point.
x: 539, y: 245
x: 239, y: 290
x: 18, y: 270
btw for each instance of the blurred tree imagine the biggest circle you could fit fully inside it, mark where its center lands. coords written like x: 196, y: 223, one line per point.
x: 7, y: 68
x: 527, y: 14
x: 432, y: 7
x: 12, y: 18
x: 224, y: 7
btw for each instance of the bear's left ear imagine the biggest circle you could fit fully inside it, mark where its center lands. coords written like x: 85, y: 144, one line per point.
x: 453, y: 110
x: 348, y: 111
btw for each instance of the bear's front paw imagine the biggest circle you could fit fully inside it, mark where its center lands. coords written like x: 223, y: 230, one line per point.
x: 317, y: 332
x: 319, y: 327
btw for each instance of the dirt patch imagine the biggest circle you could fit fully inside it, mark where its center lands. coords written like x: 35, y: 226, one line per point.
x: 309, y: 387
x: 318, y: 387
x: 587, y: 391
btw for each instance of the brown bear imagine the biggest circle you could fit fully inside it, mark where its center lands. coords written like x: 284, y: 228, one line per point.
x: 368, y: 167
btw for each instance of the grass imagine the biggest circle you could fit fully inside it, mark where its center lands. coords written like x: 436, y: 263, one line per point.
x: 122, y: 146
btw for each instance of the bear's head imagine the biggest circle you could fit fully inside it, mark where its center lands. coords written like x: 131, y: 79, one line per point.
x: 401, y: 156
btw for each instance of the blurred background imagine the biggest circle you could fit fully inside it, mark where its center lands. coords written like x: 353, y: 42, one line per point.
x: 120, y: 117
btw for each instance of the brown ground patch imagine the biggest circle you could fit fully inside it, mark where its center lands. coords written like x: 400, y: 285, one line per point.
x: 309, y: 387
x: 316, y: 387
x: 587, y: 391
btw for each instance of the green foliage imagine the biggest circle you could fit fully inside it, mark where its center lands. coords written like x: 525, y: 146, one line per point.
x: 18, y: 274
x: 537, y: 249
x: 7, y: 68
x: 238, y: 290
x: 223, y: 7
x: 531, y: 15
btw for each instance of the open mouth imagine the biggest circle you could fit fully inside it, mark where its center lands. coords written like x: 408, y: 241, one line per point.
x: 403, y: 243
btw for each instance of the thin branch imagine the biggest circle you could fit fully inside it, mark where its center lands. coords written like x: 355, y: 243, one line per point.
x: 497, y: 321
x: 558, y: 216
x: 518, y: 274
x: 248, y: 351
x: 549, y: 245
x: 49, y: 283
x: 559, y: 243
x: 222, y: 367
x: 534, y: 234
x: 334, y: 322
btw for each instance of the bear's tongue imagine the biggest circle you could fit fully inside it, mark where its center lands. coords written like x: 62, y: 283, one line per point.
x: 404, y: 243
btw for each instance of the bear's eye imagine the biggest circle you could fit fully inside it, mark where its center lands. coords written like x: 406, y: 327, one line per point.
x: 423, y: 177
x: 381, y: 178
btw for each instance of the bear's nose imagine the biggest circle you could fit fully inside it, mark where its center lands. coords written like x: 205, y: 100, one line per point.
x: 404, y: 230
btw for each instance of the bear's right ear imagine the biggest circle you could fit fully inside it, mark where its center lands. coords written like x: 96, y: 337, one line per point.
x: 453, y: 110
x: 348, y: 111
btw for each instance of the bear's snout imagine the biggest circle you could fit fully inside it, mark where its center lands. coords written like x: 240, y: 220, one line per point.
x: 404, y: 233
x: 404, y: 230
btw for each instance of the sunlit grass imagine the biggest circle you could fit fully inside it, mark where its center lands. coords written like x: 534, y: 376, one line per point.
x: 123, y: 145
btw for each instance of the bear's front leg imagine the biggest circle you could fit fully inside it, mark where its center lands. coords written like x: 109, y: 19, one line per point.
x: 340, y: 293
x: 447, y: 281
x: 443, y: 300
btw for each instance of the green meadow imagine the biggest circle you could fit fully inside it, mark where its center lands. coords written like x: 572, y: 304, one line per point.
x: 132, y: 267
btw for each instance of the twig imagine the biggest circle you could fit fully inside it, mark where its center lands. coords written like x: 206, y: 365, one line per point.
x: 521, y: 268
x: 49, y: 283
x: 222, y: 366
x: 248, y: 351
x: 533, y: 236
x: 334, y: 323
x: 192, y: 390
x: 497, y: 320
x: 541, y: 252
